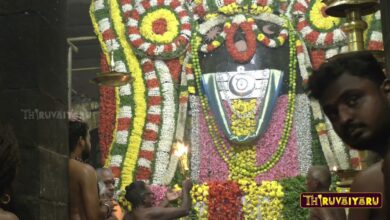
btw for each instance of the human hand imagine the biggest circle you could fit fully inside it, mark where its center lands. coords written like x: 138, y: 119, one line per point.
x: 110, y: 204
x: 187, y: 185
x: 173, y: 195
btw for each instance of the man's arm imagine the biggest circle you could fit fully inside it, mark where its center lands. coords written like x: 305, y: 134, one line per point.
x: 159, y: 213
x: 93, y: 210
x: 359, y: 185
x: 169, y: 197
x: 386, y: 177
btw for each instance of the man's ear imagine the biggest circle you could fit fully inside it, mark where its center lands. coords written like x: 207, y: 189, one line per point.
x: 386, y: 87
x: 80, y: 141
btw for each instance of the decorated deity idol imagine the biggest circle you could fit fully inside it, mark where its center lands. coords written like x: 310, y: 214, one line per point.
x: 226, y: 78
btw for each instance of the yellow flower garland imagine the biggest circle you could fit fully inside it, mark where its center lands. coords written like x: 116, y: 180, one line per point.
x: 252, y: 195
x: 135, y: 137
x: 271, y: 194
x: 146, y: 26
x: 242, y: 166
x: 243, y: 125
x: 319, y: 21
x: 200, y: 195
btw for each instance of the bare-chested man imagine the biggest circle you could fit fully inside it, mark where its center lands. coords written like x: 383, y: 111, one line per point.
x: 355, y: 96
x: 141, y: 197
x: 83, y: 191
x: 318, y: 179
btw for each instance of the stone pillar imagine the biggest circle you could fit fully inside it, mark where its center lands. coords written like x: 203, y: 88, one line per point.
x: 33, y: 99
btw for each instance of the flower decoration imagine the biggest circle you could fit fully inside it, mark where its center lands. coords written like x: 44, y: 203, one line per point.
x: 214, y: 37
x: 167, y: 124
x: 250, y: 40
x: 243, y: 118
x: 159, y: 193
x: 195, y: 137
x: 374, y: 36
x: 159, y: 28
x: 131, y: 105
x: 302, y: 126
x: 203, y: 8
x: 224, y: 150
x: 224, y: 200
x: 163, y: 24
x: 319, y: 19
x: 316, y: 28
x: 150, y: 135
x: 271, y: 194
x: 200, y: 200
x: 237, y: 200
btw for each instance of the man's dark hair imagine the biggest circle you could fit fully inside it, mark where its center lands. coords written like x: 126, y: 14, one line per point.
x: 77, y: 129
x: 135, y: 193
x: 361, y: 64
x: 9, y: 157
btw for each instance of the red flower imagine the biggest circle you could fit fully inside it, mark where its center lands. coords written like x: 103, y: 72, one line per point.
x: 224, y: 201
x: 116, y: 171
x: 107, y: 114
x: 159, y: 26
x: 174, y: 68
x: 143, y: 173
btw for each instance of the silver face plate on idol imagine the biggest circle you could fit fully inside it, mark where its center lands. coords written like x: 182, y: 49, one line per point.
x: 242, y: 84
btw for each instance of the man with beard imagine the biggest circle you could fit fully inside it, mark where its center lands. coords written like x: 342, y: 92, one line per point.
x: 355, y: 96
x: 84, y: 201
x: 106, y: 184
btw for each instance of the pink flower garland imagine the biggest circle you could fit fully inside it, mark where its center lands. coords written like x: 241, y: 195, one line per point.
x: 288, y: 165
x: 159, y: 193
x: 213, y: 168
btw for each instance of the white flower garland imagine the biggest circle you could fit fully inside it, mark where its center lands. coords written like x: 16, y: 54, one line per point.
x: 324, y: 139
x: 125, y: 112
x: 271, y: 18
x: 168, y: 122
x: 338, y: 146
x: 302, y: 124
x: 195, y: 137
x: 207, y: 25
x: 116, y: 160
x: 183, y: 104
x: 170, y: 173
x: 124, y: 90
x: 99, y: 4
x: 121, y: 137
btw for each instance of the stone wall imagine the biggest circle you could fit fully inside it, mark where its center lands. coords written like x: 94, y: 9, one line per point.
x: 33, y: 99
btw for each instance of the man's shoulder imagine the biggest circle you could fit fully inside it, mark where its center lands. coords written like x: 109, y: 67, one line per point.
x: 79, y: 167
x: 8, y: 216
x: 370, y: 179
